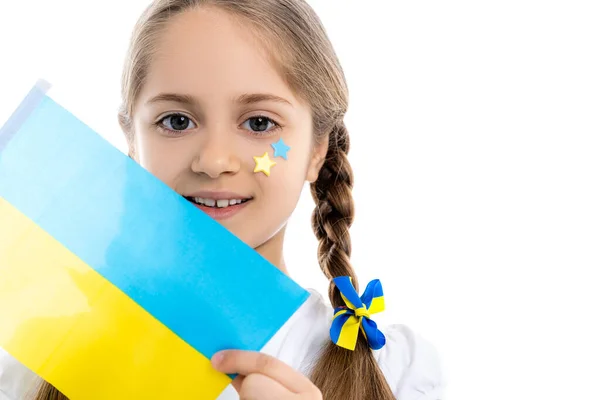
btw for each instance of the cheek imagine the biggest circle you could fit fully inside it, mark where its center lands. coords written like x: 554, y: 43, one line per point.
x: 279, y: 195
x: 284, y: 185
x: 289, y: 177
x: 284, y: 171
x: 166, y: 161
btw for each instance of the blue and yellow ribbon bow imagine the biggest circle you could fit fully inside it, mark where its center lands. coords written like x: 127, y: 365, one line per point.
x: 357, y: 315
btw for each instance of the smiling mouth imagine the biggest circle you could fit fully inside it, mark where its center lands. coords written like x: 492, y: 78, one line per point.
x: 212, y: 203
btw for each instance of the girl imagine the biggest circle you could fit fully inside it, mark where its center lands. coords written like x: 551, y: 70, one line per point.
x: 208, y: 87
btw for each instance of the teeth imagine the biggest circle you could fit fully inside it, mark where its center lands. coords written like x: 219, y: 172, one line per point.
x: 206, y: 202
x: 218, y: 203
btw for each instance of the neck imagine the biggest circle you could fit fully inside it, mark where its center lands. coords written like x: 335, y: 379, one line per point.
x: 272, y: 250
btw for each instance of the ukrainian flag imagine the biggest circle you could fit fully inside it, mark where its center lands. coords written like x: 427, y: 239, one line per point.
x: 113, y: 286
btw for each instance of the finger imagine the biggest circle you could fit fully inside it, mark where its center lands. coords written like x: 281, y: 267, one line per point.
x: 261, y: 387
x: 251, y: 362
x: 237, y: 382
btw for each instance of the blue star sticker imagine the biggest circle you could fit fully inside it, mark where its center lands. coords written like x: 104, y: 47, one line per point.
x: 281, y: 149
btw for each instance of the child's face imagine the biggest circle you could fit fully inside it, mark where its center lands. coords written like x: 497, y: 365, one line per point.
x: 210, y: 152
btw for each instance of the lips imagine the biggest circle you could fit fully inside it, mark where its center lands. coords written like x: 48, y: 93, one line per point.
x: 222, y: 213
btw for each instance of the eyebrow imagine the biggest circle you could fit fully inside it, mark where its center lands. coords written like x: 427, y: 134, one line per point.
x: 247, y: 99
x: 244, y: 99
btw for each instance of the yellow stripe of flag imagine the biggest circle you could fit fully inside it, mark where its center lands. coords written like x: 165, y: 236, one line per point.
x: 61, y: 297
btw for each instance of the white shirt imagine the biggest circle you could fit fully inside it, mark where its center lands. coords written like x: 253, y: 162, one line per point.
x: 410, y: 364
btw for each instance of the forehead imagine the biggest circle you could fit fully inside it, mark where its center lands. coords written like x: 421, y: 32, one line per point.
x: 208, y: 53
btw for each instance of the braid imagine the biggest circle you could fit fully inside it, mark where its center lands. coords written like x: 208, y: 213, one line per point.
x: 334, y: 211
x: 341, y: 374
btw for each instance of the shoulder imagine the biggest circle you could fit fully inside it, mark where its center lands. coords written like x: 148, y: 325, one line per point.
x: 411, y: 364
x: 15, y: 379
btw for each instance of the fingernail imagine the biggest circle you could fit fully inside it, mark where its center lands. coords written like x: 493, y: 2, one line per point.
x: 217, y: 358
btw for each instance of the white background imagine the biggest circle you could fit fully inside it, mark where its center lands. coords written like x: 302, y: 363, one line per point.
x: 476, y: 147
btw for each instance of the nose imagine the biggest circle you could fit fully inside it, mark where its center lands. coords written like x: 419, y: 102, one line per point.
x: 216, y: 155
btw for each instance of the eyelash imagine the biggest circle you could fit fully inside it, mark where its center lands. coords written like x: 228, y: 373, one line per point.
x: 172, y: 132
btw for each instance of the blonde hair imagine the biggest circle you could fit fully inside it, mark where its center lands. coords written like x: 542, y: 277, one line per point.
x: 308, y: 63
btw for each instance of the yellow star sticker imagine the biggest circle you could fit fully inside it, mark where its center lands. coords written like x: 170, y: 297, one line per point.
x: 264, y: 164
